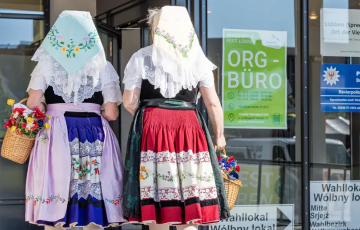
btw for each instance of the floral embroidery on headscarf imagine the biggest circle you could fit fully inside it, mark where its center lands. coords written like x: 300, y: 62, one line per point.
x: 170, y: 39
x: 70, y: 48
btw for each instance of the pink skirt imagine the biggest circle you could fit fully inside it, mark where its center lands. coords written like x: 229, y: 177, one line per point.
x: 52, y: 173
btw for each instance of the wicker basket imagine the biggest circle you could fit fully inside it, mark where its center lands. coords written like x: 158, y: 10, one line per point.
x: 232, y: 190
x: 231, y: 187
x: 16, y: 147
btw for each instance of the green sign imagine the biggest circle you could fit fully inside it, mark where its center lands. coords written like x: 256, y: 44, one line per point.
x: 249, y: 177
x: 254, y: 79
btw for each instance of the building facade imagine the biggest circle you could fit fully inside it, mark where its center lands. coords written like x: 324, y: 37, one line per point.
x: 287, y: 163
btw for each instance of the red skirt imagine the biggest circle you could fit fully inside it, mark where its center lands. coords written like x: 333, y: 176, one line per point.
x: 177, y: 184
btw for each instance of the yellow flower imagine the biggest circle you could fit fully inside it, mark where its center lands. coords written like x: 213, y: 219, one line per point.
x: 13, y: 128
x: 77, y: 49
x: 47, y: 126
x: 29, y: 120
x: 10, y: 102
x: 63, y: 49
x: 49, y: 117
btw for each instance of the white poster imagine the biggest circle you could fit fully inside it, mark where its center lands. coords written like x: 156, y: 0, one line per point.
x: 334, y: 204
x: 259, y: 217
x: 340, y: 32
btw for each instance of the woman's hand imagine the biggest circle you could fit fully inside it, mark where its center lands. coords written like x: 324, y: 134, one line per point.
x: 220, y: 142
x: 111, y: 111
x: 42, y: 107
x: 35, y: 100
x: 131, y: 100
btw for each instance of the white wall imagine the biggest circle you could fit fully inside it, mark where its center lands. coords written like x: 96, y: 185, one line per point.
x: 57, y: 6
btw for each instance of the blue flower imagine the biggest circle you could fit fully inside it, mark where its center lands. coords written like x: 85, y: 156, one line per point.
x: 232, y: 163
x: 226, y: 166
x: 223, y: 161
x: 41, y: 123
x: 233, y: 175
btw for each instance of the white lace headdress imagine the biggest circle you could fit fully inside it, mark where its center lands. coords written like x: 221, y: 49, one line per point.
x: 176, y: 55
x: 72, y: 60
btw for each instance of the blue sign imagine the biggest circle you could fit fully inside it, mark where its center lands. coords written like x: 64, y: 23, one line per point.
x: 340, y: 88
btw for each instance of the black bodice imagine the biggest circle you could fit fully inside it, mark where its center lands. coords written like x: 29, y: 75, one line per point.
x: 52, y: 98
x: 148, y: 91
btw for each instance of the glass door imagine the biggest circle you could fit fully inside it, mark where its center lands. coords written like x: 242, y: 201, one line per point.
x: 242, y: 38
x: 19, y: 39
x: 334, y: 114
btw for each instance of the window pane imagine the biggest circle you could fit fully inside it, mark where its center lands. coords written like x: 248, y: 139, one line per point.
x: 270, y: 157
x: 21, y: 6
x: 334, y: 132
x: 330, y: 131
x: 16, y: 49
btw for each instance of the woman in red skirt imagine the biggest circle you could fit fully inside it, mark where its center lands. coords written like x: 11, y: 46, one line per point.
x: 171, y: 167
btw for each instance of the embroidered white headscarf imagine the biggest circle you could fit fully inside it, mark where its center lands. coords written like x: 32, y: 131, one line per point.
x: 72, y: 60
x: 176, y: 55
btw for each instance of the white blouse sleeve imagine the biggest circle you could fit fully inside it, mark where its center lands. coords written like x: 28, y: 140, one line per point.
x: 37, y: 81
x: 110, y: 85
x: 207, y: 80
x: 134, y: 71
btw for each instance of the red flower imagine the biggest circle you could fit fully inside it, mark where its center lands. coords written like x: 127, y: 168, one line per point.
x: 231, y: 159
x: 116, y: 202
x: 19, y: 132
x: 48, y: 201
x: 8, y: 124
x: 12, y: 121
x: 237, y: 168
x: 39, y: 115
x: 23, y: 125
x: 36, y: 125
x: 219, y: 158
x: 19, y: 110
x: 96, y: 171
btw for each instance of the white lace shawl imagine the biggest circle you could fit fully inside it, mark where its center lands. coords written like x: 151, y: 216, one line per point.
x: 80, y: 86
x: 142, y: 67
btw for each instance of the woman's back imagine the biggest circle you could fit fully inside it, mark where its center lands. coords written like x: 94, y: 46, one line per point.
x: 168, y: 141
x: 75, y: 172
x: 52, y: 98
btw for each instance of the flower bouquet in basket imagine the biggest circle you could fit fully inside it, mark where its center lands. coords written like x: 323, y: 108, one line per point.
x: 22, y: 128
x: 230, y: 170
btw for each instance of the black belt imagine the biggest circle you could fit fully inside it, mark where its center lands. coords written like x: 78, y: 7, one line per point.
x: 168, y: 104
x: 81, y: 114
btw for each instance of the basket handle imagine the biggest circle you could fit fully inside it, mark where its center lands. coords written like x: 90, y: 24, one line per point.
x: 223, y: 150
x: 23, y: 100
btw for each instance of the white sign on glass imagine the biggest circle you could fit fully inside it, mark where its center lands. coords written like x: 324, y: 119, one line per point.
x: 340, y: 32
x: 334, y: 204
x: 259, y: 217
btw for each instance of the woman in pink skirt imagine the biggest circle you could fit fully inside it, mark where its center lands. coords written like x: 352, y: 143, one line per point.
x: 75, y: 170
x: 171, y: 165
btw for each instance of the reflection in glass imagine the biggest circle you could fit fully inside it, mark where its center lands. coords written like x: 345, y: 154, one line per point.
x: 330, y: 131
x: 22, y: 6
x: 17, y: 46
x: 270, y: 159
